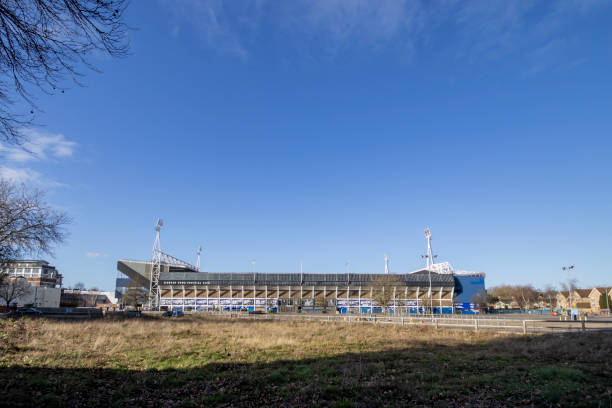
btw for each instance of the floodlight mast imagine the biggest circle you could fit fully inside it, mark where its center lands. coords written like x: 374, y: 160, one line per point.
x: 154, y: 292
x: 430, y: 262
x: 386, y: 264
x: 198, y: 261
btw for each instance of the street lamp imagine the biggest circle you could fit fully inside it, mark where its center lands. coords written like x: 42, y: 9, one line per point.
x: 569, y: 285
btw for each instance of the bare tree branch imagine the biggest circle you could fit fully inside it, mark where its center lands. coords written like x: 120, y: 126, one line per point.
x: 12, y: 289
x: 27, y: 224
x: 384, y: 289
x: 44, y: 42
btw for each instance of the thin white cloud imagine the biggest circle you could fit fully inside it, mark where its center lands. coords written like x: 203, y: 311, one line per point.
x: 39, y: 145
x: 474, y: 31
x: 212, y: 20
x: 19, y: 175
x: 95, y: 255
x: 27, y: 176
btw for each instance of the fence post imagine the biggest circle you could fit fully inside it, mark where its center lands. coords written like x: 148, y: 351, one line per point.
x: 583, y: 326
x: 524, y: 327
x: 437, y: 324
x: 475, y: 324
x: 349, y: 319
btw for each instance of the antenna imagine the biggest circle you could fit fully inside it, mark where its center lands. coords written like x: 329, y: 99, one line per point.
x: 386, y: 264
x: 198, y: 261
x: 301, y: 266
x: 154, y: 292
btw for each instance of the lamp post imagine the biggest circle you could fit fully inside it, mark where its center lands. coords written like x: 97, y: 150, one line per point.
x: 569, y: 286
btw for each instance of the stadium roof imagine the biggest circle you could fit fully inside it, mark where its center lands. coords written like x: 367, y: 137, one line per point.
x: 139, y: 272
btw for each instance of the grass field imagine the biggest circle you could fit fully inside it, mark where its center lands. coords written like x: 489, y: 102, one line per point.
x: 196, y: 361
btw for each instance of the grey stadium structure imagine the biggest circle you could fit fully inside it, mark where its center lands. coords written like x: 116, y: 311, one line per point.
x: 182, y: 286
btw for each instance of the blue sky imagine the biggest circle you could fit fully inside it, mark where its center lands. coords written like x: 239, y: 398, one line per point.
x: 328, y: 131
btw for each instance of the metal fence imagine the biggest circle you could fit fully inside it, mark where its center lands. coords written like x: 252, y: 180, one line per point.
x: 452, y: 322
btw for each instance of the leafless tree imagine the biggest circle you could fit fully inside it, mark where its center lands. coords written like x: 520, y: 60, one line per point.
x: 525, y: 295
x: 27, y: 224
x: 571, y: 284
x: 321, y: 301
x: 45, y: 42
x: 134, y: 296
x: 79, y: 286
x: 480, y: 298
x: 12, y: 289
x: 501, y: 292
x: 549, y: 294
x: 385, y: 290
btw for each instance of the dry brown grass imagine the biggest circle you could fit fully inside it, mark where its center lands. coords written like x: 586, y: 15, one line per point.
x: 96, y: 343
x: 207, y: 360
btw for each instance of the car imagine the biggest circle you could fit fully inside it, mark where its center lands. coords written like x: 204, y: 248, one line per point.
x: 174, y: 313
x: 28, y: 311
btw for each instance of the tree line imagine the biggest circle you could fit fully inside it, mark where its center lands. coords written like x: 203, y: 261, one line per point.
x: 527, y: 295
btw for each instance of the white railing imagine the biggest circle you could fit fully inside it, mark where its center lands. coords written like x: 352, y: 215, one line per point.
x: 461, y: 322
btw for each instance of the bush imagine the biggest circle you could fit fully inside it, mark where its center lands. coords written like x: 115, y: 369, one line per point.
x: 605, y: 304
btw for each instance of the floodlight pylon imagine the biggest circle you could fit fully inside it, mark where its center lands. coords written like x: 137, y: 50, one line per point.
x: 154, y: 292
x: 386, y: 264
x: 198, y: 261
x: 429, y: 257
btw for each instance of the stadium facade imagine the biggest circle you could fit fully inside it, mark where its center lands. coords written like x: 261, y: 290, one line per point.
x: 182, y: 286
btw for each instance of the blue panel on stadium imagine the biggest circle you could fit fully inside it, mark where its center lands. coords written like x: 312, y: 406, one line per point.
x: 470, y: 285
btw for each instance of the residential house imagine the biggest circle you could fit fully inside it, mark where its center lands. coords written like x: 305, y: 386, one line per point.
x: 563, y: 299
x: 594, y: 296
x: 506, y: 304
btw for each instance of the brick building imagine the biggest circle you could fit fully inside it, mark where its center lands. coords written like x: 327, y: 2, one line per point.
x: 36, y: 272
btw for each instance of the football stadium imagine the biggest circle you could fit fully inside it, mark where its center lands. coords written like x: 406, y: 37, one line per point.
x: 172, y: 283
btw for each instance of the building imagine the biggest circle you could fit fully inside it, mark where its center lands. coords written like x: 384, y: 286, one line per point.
x: 87, y: 298
x: 595, y: 295
x: 469, y: 286
x: 581, y: 300
x: 38, y: 296
x: 563, y: 299
x: 505, y: 304
x: 182, y: 286
x: 36, y: 272
x: 122, y: 282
